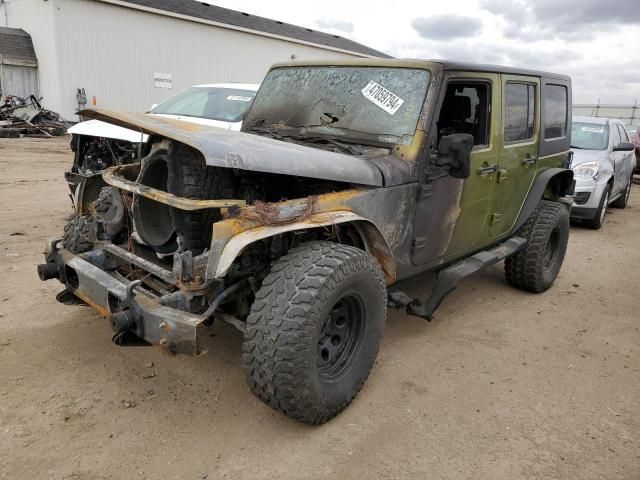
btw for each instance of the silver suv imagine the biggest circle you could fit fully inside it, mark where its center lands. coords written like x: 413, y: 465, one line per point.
x: 603, y: 162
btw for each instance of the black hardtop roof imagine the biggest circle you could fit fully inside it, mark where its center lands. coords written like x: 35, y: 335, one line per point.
x: 480, y: 67
x: 426, y: 64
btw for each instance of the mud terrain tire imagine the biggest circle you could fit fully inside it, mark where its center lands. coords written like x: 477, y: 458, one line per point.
x: 110, y: 212
x: 190, y: 177
x: 80, y: 233
x: 536, y: 266
x: 314, y: 329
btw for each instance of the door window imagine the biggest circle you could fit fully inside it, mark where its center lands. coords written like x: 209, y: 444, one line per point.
x: 519, y: 112
x: 616, y: 136
x: 466, y: 110
x: 623, y: 134
x: 555, y: 111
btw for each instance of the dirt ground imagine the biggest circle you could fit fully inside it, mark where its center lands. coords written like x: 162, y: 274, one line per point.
x: 501, y: 385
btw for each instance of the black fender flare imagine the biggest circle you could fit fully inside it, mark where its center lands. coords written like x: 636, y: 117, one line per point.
x: 554, y: 182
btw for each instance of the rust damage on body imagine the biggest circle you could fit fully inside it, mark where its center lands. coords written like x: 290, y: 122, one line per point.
x: 329, y: 209
x: 115, y: 176
x: 259, y: 219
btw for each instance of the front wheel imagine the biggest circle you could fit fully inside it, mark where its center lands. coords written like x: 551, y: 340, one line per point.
x: 623, y: 199
x: 536, y: 266
x: 597, y: 221
x: 314, y: 329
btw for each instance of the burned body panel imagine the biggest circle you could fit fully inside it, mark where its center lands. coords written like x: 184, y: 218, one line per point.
x: 312, y: 226
x: 229, y: 149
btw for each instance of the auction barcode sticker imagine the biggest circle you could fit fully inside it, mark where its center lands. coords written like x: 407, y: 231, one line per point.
x: 593, y: 129
x: 376, y: 93
x: 239, y: 98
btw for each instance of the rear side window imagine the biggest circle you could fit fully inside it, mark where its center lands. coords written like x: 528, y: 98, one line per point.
x: 519, y: 112
x: 555, y: 111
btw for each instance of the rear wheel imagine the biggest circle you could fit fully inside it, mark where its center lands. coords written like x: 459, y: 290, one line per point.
x: 597, y: 221
x: 314, y: 330
x: 536, y: 266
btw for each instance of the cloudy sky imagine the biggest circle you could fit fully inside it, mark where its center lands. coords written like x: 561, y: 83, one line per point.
x: 597, y: 42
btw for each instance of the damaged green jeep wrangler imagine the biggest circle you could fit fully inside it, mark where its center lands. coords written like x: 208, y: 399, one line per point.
x: 345, y: 179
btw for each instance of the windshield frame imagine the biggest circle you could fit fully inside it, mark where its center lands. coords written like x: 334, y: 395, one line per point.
x: 349, y: 131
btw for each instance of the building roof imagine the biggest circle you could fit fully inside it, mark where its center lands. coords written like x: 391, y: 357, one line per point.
x: 244, y: 20
x: 16, y: 47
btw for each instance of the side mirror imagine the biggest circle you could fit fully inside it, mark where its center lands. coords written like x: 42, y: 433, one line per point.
x: 624, y: 147
x: 454, y: 154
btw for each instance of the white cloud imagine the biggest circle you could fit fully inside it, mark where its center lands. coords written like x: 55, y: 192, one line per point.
x: 594, y: 41
x: 446, y: 26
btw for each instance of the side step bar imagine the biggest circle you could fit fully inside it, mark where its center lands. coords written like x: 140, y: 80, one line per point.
x: 449, y: 277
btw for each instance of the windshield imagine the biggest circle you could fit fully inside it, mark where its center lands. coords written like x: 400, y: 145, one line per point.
x: 381, y: 104
x: 589, y: 136
x: 214, y: 103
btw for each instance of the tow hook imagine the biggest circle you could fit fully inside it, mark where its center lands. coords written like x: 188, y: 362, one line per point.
x: 123, y: 321
x: 127, y: 323
x: 48, y: 271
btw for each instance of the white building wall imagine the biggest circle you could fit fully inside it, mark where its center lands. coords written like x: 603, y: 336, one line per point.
x: 36, y: 18
x: 112, y: 52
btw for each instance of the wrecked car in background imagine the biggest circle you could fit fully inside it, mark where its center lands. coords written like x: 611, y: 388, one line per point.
x: 98, y: 145
x: 346, y: 178
x: 603, y: 163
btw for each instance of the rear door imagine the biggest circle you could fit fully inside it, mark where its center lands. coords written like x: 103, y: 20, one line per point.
x: 518, y: 155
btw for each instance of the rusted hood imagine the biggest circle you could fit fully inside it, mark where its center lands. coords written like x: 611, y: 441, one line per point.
x: 225, y: 148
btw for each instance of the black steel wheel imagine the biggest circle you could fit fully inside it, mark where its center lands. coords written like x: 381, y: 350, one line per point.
x: 341, y: 336
x: 313, y: 332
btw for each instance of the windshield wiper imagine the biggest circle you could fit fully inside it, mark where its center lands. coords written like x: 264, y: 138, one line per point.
x: 266, y: 130
x: 574, y: 146
x: 342, y: 146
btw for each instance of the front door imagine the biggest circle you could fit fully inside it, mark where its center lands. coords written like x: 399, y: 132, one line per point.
x: 518, y: 150
x: 451, y: 217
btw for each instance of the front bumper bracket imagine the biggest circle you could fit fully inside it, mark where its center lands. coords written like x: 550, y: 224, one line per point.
x: 174, y: 330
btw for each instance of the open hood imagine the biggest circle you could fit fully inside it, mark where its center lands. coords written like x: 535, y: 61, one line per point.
x: 225, y: 148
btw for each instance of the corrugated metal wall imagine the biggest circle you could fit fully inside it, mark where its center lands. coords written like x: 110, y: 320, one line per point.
x: 18, y: 80
x: 627, y: 114
x: 36, y: 18
x: 112, y: 52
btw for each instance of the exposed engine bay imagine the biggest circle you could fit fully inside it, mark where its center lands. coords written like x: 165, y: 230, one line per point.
x: 167, y: 248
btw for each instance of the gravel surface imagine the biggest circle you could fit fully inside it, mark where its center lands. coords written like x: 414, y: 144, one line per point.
x: 501, y: 385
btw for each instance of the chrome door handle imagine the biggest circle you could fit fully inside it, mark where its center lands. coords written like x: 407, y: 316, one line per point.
x: 529, y: 160
x: 487, y: 169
